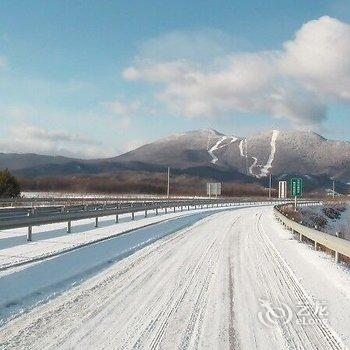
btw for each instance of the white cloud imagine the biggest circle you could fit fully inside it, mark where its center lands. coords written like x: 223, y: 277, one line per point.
x: 32, y: 139
x: 319, y: 57
x: 297, y: 82
x: 159, y: 72
x: 124, y: 111
x: 33, y: 132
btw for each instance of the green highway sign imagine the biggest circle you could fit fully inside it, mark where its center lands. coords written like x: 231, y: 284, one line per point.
x: 296, y: 187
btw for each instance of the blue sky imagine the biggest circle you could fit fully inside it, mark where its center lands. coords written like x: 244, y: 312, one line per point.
x: 96, y: 78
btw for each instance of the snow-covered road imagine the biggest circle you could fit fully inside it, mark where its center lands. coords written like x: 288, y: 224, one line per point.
x: 232, y: 280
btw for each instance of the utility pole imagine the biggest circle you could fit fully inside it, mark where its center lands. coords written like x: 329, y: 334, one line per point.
x: 333, y: 188
x: 246, y: 156
x: 270, y: 185
x: 168, y: 186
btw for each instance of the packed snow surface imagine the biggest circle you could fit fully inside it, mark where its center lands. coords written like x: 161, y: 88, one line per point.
x: 53, y: 239
x: 220, y: 283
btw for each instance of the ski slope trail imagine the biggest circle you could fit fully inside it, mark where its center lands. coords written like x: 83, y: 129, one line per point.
x: 220, y: 144
x: 265, y: 169
x: 253, y: 165
x: 200, y: 287
x: 240, y: 146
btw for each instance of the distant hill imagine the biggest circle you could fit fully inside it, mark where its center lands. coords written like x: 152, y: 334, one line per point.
x: 209, y: 154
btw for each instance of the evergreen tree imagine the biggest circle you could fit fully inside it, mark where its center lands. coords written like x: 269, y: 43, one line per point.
x: 9, y: 186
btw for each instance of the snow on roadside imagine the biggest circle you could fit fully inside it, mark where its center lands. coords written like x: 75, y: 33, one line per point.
x: 32, y: 251
x: 331, y: 219
x: 199, y: 289
x: 324, y: 280
x: 56, y: 275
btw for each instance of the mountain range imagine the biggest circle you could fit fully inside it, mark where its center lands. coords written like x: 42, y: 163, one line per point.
x: 209, y: 154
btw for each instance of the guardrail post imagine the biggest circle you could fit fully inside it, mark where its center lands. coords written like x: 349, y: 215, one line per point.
x: 315, y: 245
x: 69, y: 227
x: 116, y: 218
x: 300, y: 237
x: 188, y: 207
x: 132, y: 215
x: 156, y: 211
x: 166, y: 210
x: 174, y: 209
x: 182, y: 208
x: 29, y: 234
x: 96, y: 222
x: 336, y: 258
x: 145, y: 213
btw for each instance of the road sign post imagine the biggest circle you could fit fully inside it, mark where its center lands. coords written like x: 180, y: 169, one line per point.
x: 296, y: 187
x: 214, y: 189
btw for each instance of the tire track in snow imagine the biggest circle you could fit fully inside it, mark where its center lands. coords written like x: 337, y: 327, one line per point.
x: 322, y: 333
x: 128, y: 305
x: 179, y: 292
x: 271, y: 279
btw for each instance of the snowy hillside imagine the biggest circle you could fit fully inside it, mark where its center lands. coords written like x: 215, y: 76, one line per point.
x: 275, y: 151
x: 206, y: 152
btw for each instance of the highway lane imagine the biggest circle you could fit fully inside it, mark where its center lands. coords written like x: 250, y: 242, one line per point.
x: 57, y: 274
x: 206, y: 286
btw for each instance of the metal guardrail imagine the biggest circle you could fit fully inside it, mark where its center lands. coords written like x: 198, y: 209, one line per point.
x: 336, y: 244
x: 51, y: 201
x: 42, y: 216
